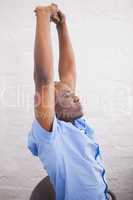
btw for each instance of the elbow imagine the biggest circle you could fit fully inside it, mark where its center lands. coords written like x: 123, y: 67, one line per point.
x: 43, y: 77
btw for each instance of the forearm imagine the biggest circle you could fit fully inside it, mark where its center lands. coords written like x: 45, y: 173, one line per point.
x: 43, y: 56
x: 66, y: 52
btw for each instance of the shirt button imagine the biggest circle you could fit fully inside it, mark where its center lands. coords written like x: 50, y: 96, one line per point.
x: 81, y: 130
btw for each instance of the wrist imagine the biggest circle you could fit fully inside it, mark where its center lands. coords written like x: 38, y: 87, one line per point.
x: 61, y: 25
x: 41, y: 11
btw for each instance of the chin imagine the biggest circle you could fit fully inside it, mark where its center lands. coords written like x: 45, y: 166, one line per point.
x: 78, y: 116
x: 70, y: 115
x: 70, y: 118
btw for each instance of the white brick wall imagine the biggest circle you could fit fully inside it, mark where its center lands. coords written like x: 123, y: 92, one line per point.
x: 102, y: 35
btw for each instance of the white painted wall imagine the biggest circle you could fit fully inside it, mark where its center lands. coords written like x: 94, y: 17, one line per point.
x: 102, y: 36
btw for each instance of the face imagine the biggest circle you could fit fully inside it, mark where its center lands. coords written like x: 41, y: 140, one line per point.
x: 68, y: 106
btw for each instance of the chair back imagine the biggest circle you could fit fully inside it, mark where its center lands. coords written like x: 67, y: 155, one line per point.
x: 43, y: 191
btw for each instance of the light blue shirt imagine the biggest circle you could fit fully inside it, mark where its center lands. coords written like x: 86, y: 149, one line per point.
x: 72, y: 158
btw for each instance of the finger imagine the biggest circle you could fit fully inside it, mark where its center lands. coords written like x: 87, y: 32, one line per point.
x: 54, y: 20
x: 61, y: 15
x: 55, y: 5
x: 56, y: 16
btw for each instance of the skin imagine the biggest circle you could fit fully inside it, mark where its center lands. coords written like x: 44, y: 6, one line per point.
x: 54, y: 98
x: 68, y: 106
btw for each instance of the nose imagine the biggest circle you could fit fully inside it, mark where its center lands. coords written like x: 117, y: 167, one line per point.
x: 76, y: 99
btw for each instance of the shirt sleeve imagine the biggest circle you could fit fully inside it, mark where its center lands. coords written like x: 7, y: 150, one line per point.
x: 31, y: 144
x: 39, y: 134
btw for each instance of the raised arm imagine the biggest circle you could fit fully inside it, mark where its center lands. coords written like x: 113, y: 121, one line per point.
x: 67, y: 65
x: 43, y: 68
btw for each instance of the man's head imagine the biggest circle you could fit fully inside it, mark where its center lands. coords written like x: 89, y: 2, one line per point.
x: 67, y: 105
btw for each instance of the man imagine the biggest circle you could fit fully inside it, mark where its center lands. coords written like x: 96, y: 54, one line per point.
x: 60, y: 135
